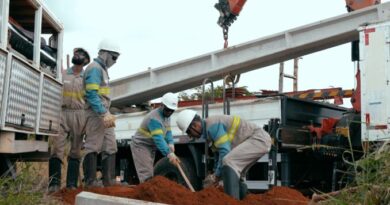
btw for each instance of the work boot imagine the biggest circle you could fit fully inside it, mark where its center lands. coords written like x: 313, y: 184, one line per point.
x: 72, y: 175
x: 230, y: 182
x: 54, y: 175
x: 89, y: 166
x: 243, y: 189
x: 108, y: 166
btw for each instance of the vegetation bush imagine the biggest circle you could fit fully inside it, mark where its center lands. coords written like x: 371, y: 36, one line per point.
x: 28, y: 187
x: 371, y: 185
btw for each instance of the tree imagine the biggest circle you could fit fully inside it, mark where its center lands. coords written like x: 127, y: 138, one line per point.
x: 218, y: 93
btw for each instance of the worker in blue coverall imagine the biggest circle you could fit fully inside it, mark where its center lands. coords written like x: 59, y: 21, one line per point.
x: 100, y: 122
x: 154, y: 133
x: 239, y: 144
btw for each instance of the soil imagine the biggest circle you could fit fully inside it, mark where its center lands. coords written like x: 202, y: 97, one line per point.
x: 162, y: 190
x: 277, y: 196
x: 68, y: 196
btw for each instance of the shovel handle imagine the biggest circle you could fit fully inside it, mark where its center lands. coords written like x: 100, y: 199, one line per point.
x: 185, y: 177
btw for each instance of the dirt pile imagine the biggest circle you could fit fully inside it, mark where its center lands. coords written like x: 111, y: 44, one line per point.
x: 68, y: 196
x: 276, y: 196
x: 162, y: 190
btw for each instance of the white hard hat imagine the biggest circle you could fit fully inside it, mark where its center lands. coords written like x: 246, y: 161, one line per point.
x: 170, y: 100
x: 109, y: 45
x: 184, y: 119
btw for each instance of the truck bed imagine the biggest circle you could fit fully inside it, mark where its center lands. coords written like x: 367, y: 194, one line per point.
x: 291, y: 112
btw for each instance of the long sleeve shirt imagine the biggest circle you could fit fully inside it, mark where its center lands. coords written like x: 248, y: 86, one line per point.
x: 218, y: 132
x: 156, y: 129
x: 97, y: 87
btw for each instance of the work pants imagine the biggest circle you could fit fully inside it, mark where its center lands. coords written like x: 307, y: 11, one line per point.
x: 143, y: 158
x: 72, y: 125
x: 244, y: 155
x: 99, y: 139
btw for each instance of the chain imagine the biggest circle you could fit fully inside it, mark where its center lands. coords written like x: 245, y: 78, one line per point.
x: 225, y: 31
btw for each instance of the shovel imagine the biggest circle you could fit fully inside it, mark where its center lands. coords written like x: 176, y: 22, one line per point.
x: 185, y: 177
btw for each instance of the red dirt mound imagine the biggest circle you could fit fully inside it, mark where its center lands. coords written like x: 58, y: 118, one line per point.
x: 68, y: 196
x: 162, y: 190
x: 277, y: 196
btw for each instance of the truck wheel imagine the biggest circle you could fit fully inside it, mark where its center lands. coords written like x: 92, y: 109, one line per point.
x: 164, y: 168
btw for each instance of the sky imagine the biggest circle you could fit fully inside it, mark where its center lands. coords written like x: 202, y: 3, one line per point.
x: 155, y: 33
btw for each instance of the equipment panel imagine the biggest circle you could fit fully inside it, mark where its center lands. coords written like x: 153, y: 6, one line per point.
x: 51, y: 105
x: 3, y: 61
x: 375, y: 79
x: 23, y: 96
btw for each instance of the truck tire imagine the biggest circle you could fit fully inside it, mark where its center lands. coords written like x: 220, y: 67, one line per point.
x: 164, y: 168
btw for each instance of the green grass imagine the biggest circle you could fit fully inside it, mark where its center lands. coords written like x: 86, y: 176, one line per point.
x: 27, y: 188
x: 371, y: 185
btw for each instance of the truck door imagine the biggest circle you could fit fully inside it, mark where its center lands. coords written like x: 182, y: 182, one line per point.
x: 375, y: 81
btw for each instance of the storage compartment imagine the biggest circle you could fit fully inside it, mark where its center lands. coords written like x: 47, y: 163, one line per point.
x: 30, y: 78
x: 3, y: 61
x: 23, y: 96
x: 21, y: 28
x: 51, y: 105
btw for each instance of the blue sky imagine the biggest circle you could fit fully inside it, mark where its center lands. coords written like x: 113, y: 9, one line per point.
x: 154, y: 33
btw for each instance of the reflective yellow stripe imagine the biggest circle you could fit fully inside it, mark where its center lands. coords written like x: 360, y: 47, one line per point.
x: 221, y: 140
x: 169, y: 129
x: 231, y: 133
x: 92, y: 87
x: 77, y: 95
x: 150, y: 134
x: 144, y: 132
x: 233, y: 129
x: 101, y: 90
x: 157, y: 132
x: 104, y: 91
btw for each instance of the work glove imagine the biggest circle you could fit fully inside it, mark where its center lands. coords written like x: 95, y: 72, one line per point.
x: 216, y: 181
x: 173, y: 158
x: 172, y: 147
x: 211, y: 180
x: 108, y: 120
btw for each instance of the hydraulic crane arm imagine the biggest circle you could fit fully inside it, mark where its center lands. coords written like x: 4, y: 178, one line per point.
x: 230, y: 9
x: 353, y: 5
x: 228, y: 12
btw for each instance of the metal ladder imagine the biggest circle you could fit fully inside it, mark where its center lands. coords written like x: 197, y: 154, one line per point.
x: 282, y: 75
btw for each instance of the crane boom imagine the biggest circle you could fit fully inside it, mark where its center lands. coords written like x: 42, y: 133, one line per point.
x: 230, y: 9
x: 245, y: 57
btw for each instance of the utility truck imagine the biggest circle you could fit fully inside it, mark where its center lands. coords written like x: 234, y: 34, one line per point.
x: 30, y: 80
x: 314, y: 143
